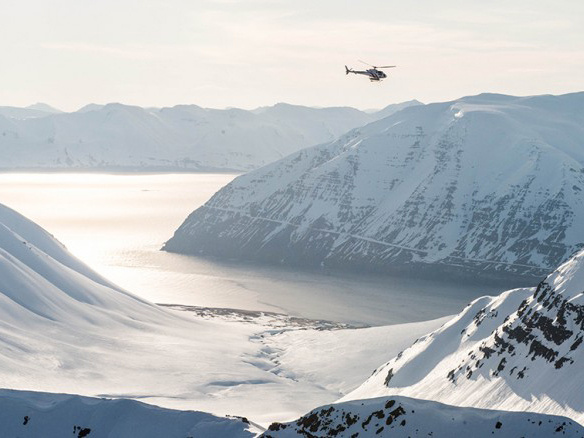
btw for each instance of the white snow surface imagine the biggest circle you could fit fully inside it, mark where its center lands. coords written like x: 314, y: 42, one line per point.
x: 183, y: 137
x: 517, y: 351
x: 403, y: 417
x: 33, y: 414
x: 490, y: 185
x: 64, y: 328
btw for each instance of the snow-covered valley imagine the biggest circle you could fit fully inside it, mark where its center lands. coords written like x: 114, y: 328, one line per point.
x: 65, y: 328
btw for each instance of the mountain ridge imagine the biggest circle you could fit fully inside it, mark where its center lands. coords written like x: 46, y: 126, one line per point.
x: 517, y: 351
x: 35, y: 414
x: 404, y: 417
x: 471, y: 187
x: 183, y: 137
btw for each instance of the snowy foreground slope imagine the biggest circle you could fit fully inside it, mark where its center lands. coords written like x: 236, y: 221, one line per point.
x: 519, y: 351
x: 403, y: 417
x: 32, y: 414
x: 63, y: 328
x: 489, y: 185
x: 66, y: 329
x: 184, y: 137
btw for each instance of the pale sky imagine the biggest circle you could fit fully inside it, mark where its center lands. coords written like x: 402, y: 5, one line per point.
x: 250, y: 53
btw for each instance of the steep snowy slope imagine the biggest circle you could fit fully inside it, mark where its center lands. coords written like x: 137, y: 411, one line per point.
x: 521, y: 350
x: 488, y: 185
x: 41, y: 282
x: 61, y: 325
x: 181, y: 137
x: 403, y: 417
x: 33, y: 414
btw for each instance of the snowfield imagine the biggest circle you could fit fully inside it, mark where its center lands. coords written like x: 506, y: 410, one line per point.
x: 64, y: 328
x: 488, y: 186
x: 33, y: 414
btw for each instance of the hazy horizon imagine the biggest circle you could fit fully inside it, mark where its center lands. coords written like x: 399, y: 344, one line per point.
x: 276, y: 103
x: 249, y: 54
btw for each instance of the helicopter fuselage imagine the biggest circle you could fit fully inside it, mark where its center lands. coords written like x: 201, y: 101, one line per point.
x: 372, y: 73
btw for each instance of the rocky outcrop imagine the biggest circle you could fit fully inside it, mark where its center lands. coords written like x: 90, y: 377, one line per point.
x: 406, y: 417
x: 521, y: 350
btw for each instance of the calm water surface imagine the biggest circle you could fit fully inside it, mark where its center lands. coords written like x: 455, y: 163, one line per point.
x: 117, y: 224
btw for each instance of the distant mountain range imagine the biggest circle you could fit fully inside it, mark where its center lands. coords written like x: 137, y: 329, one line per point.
x: 486, y: 186
x: 184, y: 137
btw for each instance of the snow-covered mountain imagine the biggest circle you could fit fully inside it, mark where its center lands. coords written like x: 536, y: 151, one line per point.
x: 34, y: 414
x: 41, y: 284
x: 517, y: 356
x: 184, y: 137
x: 41, y: 106
x: 521, y: 350
x: 488, y: 185
x: 60, y: 326
x: 403, y: 417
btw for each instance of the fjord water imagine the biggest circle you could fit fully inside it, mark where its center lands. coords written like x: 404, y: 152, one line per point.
x: 117, y: 223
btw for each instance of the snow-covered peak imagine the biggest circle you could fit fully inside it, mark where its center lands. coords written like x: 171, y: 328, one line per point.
x: 90, y: 107
x: 40, y: 106
x: 394, y: 108
x: 487, y: 185
x: 568, y: 280
x: 517, y: 351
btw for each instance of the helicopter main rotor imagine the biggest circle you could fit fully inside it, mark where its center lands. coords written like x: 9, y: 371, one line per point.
x: 376, y: 67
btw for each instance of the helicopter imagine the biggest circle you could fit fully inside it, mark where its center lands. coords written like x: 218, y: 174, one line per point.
x: 375, y: 75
